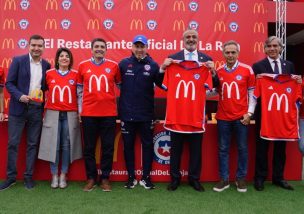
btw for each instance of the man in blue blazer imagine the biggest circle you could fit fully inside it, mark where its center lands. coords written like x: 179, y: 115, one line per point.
x: 25, y: 83
x: 271, y: 64
x: 190, y: 52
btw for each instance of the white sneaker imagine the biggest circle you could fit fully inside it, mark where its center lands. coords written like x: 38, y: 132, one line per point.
x: 62, y: 181
x: 54, y: 183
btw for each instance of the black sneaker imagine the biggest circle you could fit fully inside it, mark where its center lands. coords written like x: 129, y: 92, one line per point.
x: 131, y: 183
x: 29, y: 183
x: 146, y: 183
x: 7, y: 184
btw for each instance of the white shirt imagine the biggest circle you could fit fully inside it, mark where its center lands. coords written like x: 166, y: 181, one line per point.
x: 194, y: 55
x: 36, y: 76
x: 278, y: 62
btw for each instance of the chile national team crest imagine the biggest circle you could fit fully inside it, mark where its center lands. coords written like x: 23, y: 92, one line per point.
x: 23, y: 23
x: 65, y: 24
x: 24, y: 4
x: 193, y: 6
x: 22, y: 43
x: 151, y: 24
x: 108, y: 24
x: 152, y: 4
x: 193, y: 25
x: 233, y: 7
x: 66, y: 4
x: 162, y: 146
x: 109, y: 4
x: 234, y: 26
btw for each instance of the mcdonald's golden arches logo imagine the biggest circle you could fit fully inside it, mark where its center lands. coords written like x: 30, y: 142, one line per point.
x: 178, y: 25
x: 219, y: 26
x: 218, y: 63
x: 92, y: 24
x: 8, y: 43
x: 136, y: 24
x: 179, y: 6
x: 9, y: 23
x: 53, y: 4
x: 137, y: 4
x: 258, y: 47
x: 219, y: 6
x: 6, y: 62
x: 9, y: 4
x: 258, y: 27
x: 93, y: 4
x: 258, y: 8
x: 50, y: 23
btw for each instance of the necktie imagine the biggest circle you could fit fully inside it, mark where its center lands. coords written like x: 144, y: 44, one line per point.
x: 190, y: 56
x: 276, y: 67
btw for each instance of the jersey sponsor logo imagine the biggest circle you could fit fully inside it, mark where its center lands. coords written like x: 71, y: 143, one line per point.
x: 61, y: 93
x: 229, y: 89
x: 186, y: 88
x: 151, y: 24
x: 197, y: 76
x: 22, y: 43
x: 66, y: 4
x: 147, y: 67
x: 279, y: 101
x: 65, y: 24
x: 109, y: 4
x: 162, y: 146
x: 233, y: 26
x: 193, y: 6
x: 193, y: 25
x: 24, y: 4
x: 98, y: 82
x: 108, y: 24
x: 23, y: 24
x: 233, y: 7
x: 152, y: 5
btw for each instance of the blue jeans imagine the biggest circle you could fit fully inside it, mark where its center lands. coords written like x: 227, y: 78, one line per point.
x: 301, y: 140
x: 63, y: 141
x: 31, y: 118
x: 225, y: 130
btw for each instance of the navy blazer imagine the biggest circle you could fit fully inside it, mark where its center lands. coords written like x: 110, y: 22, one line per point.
x: 18, y: 82
x: 201, y: 58
x: 264, y: 66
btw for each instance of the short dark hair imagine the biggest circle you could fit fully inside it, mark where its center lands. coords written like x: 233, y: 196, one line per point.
x: 59, y: 51
x: 98, y: 40
x: 36, y: 37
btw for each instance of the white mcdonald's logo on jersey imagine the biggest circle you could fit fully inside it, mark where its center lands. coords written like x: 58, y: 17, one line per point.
x: 229, y: 88
x: 279, y: 101
x: 186, y: 87
x: 98, y: 81
x: 61, y: 93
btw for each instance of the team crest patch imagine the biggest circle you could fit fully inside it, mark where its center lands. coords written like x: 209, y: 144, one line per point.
x: 66, y: 4
x: 108, y: 24
x: 23, y: 24
x: 193, y: 25
x: 233, y: 7
x: 108, y: 4
x: 152, y: 4
x: 108, y: 70
x: 151, y: 24
x: 162, y: 146
x: 72, y: 82
x: 238, y: 77
x: 288, y: 90
x: 147, y: 67
x: 193, y: 6
x: 233, y: 26
x: 24, y: 4
x: 65, y: 24
x: 22, y: 43
x: 197, y: 76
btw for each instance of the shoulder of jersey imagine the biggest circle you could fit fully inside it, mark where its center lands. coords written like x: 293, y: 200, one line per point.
x: 246, y: 66
x: 75, y: 71
x: 85, y: 61
x: 52, y: 69
x: 111, y: 61
x: 221, y: 67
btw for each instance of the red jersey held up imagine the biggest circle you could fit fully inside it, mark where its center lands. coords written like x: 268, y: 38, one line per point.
x: 98, y: 81
x: 280, y: 96
x: 62, y: 90
x: 186, y: 83
x: 233, y: 91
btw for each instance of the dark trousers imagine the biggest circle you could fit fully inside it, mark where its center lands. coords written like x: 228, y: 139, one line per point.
x: 195, y: 154
x: 261, y: 158
x: 129, y: 131
x: 92, y: 128
x: 32, y: 120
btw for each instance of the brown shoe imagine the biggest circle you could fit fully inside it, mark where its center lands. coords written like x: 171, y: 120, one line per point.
x: 221, y: 186
x: 105, y: 185
x: 241, y: 185
x: 89, y: 186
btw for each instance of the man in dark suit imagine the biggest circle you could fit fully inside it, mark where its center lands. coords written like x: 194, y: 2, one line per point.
x: 25, y: 83
x: 271, y: 64
x: 190, y: 38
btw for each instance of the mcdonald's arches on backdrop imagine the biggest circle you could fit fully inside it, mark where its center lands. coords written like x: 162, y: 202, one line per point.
x: 73, y: 24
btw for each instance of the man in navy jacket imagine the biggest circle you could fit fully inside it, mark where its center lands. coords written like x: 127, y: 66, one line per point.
x: 25, y: 83
x: 139, y: 73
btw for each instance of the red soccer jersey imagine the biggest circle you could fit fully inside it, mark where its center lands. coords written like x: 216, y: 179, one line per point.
x: 279, y: 103
x: 302, y: 105
x: 99, y: 98
x: 186, y: 83
x: 1, y: 77
x: 62, y: 93
x: 233, y: 91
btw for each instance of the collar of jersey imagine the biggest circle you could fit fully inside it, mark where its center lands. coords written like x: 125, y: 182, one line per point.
x: 236, y: 64
x: 62, y: 73
x: 94, y: 62
x: 188, y: 68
